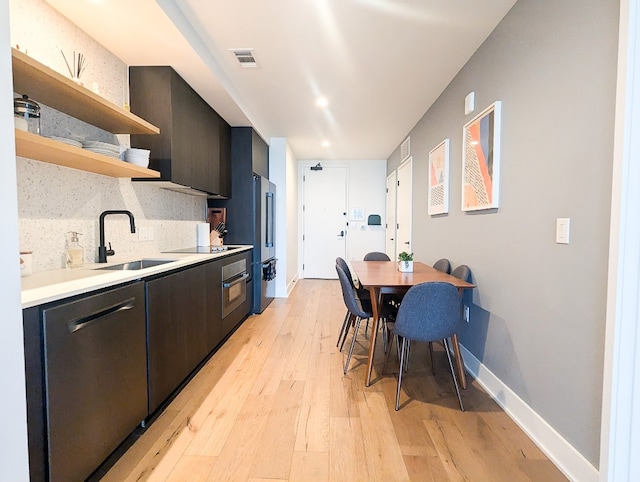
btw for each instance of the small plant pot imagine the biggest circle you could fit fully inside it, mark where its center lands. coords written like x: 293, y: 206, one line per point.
x: 405, y: 266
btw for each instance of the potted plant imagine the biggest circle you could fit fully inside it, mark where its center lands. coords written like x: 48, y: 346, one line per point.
x: 405, y: 262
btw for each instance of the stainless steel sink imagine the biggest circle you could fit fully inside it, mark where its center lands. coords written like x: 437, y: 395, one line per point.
x: 137, y: 264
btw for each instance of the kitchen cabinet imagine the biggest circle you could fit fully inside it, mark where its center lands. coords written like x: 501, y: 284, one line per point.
x: 86, y: 380
x: 57, y: 91
x: 185, y: 323
x: 176, y: 304
x: 249, y: 154
x: 193, y: 148
x: 88, y: 389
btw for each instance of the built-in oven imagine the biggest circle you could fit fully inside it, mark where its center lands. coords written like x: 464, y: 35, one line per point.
x: 234, y: 285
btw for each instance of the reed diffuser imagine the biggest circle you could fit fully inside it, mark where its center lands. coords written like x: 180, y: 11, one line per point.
x: 77, y: 66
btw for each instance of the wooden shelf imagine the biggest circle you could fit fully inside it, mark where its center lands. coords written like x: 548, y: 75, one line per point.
x: 45, y: 85
x: 43, y: 149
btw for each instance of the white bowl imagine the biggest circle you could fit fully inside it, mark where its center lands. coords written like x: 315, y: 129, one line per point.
x: 138, y: 161
x: 133, y: 150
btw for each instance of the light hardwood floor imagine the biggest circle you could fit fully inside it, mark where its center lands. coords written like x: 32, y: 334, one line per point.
x: 273, y: 404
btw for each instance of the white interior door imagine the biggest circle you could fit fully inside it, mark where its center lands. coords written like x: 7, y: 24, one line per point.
x: 324, y: 212
x: 390, y: 231
x: 403, y: 211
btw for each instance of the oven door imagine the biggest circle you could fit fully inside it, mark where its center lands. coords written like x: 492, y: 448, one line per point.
x: 234, y: 292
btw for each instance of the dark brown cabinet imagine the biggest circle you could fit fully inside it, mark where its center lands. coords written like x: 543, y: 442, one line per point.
x: 176, y: 304
x: 194, y: 145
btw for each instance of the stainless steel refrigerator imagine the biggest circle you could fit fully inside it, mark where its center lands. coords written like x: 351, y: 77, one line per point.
x: 264, y: 260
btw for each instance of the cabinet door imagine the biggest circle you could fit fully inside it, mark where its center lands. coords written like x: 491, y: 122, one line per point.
x: 225, y: 159
x: 186, y: 135
x: 213, y: 328
x: 175, y: 324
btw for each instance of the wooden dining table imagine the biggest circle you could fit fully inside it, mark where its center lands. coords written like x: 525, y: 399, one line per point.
x: 383, y: 277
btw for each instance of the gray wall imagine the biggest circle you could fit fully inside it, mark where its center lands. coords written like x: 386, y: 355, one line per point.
x: 538, y: 314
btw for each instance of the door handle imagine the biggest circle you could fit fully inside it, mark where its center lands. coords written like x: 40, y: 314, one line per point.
x: 341, y: 234
x: 406, y: 242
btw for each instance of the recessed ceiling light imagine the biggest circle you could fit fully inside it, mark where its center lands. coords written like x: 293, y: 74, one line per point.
x: 322, y: 102
x: 326, y: 143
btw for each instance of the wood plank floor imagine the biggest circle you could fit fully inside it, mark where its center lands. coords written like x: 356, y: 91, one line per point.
x: 273, y: 404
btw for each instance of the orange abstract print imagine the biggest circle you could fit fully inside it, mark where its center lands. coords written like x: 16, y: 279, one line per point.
x: 479, y: 188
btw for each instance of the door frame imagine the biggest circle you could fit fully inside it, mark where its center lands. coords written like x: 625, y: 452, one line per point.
x: 301, y: 166
x: 408, y: 161
x: 391, y: 229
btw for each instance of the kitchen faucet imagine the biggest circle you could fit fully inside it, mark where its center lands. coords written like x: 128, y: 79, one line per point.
x: 103, y: 252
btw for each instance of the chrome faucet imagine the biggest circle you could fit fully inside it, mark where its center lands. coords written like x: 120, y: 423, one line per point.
x: 103, y: 252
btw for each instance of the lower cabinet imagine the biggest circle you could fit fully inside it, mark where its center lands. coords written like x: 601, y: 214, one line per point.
x: 98, y: 365
x: 185, y: 323
x: 175, y: 326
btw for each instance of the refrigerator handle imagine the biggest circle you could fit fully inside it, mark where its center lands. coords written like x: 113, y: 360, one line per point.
x: 269, y: 221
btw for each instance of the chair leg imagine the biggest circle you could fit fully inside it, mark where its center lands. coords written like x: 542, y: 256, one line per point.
x: 346, y: 331
x: 344, y: 326
x: 406, y: 362
x: 453, y: 373
x: 385, y: 335
x: 433, y: 366
x: 353, y: 343
x: 386, y: 358
x: 402, y: 353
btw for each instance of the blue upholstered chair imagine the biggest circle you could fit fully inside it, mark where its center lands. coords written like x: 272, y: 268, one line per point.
x: 443, y: 265
x: 361, y: 294
x: 354, y: 309
x: 376, y: 256
x: 428, y: 312
x: 462, y: 272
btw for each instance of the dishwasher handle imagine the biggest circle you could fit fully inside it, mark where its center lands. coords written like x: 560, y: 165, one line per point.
x: 235, y: 281
x: 96, y: 316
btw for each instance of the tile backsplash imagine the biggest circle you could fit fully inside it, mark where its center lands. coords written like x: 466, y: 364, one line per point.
x: 53, y: 200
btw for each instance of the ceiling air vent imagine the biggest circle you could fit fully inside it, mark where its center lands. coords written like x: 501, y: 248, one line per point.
x: 245, y: 57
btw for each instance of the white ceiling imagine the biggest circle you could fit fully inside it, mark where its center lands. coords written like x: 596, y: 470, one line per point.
x: 380, y: 63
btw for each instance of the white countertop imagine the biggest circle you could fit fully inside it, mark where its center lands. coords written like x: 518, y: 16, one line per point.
x: 45, y: 286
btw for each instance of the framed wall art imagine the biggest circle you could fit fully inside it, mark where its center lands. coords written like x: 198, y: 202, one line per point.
x: 439, y: 179
x: 481, y: 160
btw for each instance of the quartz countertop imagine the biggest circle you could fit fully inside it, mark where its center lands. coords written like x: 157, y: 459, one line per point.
x: 51, y: 285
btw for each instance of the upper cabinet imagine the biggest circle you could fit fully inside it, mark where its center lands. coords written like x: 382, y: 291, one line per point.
x: 193, y: 148
x: 59, y: 92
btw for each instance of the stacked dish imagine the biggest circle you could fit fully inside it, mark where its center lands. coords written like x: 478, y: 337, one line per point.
x: 139, y: 157
x: 65, y: 140
x: 104, y: 148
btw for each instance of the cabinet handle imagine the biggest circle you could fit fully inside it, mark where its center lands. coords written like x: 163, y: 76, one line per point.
x: 92, y: 318
x: 243, y: 277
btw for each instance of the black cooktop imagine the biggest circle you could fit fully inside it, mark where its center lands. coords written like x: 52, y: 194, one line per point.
x: 204, y: 249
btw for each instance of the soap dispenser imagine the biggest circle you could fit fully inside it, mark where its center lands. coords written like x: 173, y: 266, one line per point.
x: 75, y: 252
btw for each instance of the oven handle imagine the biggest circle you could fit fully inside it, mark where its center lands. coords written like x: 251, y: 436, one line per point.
x: 229, y: 284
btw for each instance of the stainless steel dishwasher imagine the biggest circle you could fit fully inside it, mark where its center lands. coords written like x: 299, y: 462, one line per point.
x: 95, y: 376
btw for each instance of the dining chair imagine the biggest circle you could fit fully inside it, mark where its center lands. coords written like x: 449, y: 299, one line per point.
x: 362, y: 295
x: 443, y: 265
x: 376, y: 256
x: 462, y: 272
x: 354, y: 308
x: 428, y: 312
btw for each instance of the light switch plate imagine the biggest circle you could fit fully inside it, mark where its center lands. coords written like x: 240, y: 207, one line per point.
x: 143, y: 233
x: 563, y: 228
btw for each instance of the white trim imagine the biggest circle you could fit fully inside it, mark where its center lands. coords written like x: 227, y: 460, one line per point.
x: 621, y: 392
x: 291, y: 285
x: 559, y: 451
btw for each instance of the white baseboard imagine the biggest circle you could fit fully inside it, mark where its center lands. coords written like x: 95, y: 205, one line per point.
x: 559, y: 451
x: 291, y: 285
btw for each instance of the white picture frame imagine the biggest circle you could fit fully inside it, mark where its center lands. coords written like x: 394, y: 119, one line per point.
x: 481, y: 160
x: 438, y: 179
